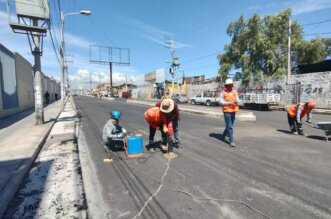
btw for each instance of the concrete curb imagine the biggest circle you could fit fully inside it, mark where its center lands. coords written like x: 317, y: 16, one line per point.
x: 248, y: 117
x: 16, y: 181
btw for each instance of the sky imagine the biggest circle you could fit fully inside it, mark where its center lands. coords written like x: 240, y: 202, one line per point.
x: 198, y: 29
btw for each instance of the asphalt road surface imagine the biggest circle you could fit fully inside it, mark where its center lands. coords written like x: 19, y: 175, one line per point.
x: 278, y: 174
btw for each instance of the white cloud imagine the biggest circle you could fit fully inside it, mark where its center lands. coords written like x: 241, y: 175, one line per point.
x: 83, y: 77
x: 151, y: 33
x: 306, y: 6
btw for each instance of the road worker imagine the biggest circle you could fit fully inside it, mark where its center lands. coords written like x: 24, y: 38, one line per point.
x: 170, y: 112
x: 112, y: 130
x: 229, y: 101
x: 156, y: 120
x: 296, y: 112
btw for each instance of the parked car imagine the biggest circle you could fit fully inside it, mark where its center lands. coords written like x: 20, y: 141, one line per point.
x: 208, y: 98
x: 180, y: 98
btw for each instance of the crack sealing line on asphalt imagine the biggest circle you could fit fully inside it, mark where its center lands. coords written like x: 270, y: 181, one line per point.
x: 155, y: 193
x: 189, y: 194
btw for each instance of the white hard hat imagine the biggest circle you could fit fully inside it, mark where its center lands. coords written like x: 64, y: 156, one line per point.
x: 228, y: 81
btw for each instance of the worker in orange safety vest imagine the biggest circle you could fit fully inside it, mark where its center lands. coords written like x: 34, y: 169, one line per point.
x: 229, y: 101
x: 296, y: 112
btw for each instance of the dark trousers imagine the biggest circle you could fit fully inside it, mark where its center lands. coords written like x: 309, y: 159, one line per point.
x: 229, y: 120
x: 152, y: 132
x: 294, y: 125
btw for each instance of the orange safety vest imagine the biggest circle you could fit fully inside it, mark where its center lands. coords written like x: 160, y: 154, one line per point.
x: 153, y: 117
x: 292, y: 110
x: 232, y: 97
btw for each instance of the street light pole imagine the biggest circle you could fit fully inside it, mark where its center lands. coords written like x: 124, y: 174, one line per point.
x: 62, y: 53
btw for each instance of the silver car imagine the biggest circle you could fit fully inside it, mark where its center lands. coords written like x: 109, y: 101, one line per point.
x: 180, y: 98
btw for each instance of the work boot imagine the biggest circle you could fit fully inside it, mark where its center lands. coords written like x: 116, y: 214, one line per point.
x: 151, y: 146
x: 232, y: 144
x: 302, y: 133
x: 178, y: 146
x: 164, y: 147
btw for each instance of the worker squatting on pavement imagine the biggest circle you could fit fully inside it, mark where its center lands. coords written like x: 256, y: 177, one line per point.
x: 160, y: 118
x: 112, y: 130
x: 296, y: 112
x: 229, y: 101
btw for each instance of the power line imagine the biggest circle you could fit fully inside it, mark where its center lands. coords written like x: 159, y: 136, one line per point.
x: 201, y: 57
x: 313, y: 34
x: 319, y: 22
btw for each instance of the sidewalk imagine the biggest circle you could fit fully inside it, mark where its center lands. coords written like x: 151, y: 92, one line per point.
x: 19, y: 146
x: 53, y: 187
x: 242, y: 115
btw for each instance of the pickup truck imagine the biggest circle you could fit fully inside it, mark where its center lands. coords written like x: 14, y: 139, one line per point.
x: 208, y: 98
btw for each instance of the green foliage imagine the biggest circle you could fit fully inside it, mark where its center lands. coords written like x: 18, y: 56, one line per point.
x: 259, y: 47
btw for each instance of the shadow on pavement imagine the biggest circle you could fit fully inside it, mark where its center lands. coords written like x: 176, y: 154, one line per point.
x: 26, y: 200
x: 316, y: 137
x: 218, y: 136
x: 50, y: 120
x: 8, y: 121
x: 285, y: 131
x: 67, y: 118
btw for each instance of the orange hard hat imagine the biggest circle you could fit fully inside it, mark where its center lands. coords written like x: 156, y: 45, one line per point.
x: 311, y: 104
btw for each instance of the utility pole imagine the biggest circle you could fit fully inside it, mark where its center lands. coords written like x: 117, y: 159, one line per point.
x: 175, y: 62
x: 289, y: 53
x: 62, y: 62
x: 39, y: 108
x: 110, y: 79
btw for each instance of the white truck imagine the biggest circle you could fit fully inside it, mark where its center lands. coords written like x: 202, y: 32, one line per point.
x: 262, y: 101
x: 208, y: 98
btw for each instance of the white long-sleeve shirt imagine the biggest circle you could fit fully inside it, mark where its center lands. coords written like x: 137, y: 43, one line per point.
x: 224, y: 103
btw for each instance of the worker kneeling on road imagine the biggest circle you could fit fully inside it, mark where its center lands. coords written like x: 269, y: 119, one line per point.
x: 296, y: 112
x: 156, y: 120
x: 112, y: 130
x: 229, y: 101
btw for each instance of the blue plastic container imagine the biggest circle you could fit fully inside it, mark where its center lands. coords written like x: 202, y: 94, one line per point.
x: 135, y: 145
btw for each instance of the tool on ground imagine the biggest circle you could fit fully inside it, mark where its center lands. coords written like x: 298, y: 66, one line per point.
x: 325, y: 126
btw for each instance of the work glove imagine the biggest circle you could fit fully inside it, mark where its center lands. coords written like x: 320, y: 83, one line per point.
x: 165, y: 129
x: 121, y: 135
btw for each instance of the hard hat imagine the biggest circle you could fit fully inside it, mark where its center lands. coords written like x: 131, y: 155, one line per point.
x: 311, y: 104
x: 115, y: 115
x: 228, y: 81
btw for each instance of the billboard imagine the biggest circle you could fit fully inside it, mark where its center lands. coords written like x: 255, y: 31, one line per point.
x: 33, y: 8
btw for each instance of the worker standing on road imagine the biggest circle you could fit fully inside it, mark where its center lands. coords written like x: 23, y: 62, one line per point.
x: 229, y: 101
x: 296, y: 112
x: 112, y: 130
x: 170, y: 112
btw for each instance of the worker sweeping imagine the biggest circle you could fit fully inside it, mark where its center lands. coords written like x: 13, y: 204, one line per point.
x: 156, y: 121
x: 296, y: 112
x: 112, y: 129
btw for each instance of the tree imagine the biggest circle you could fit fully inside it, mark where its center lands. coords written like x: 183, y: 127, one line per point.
x: 259, y: 47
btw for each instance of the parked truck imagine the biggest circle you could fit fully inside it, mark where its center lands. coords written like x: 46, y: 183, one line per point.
x: 264, y: 101
x: 208, y: 98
